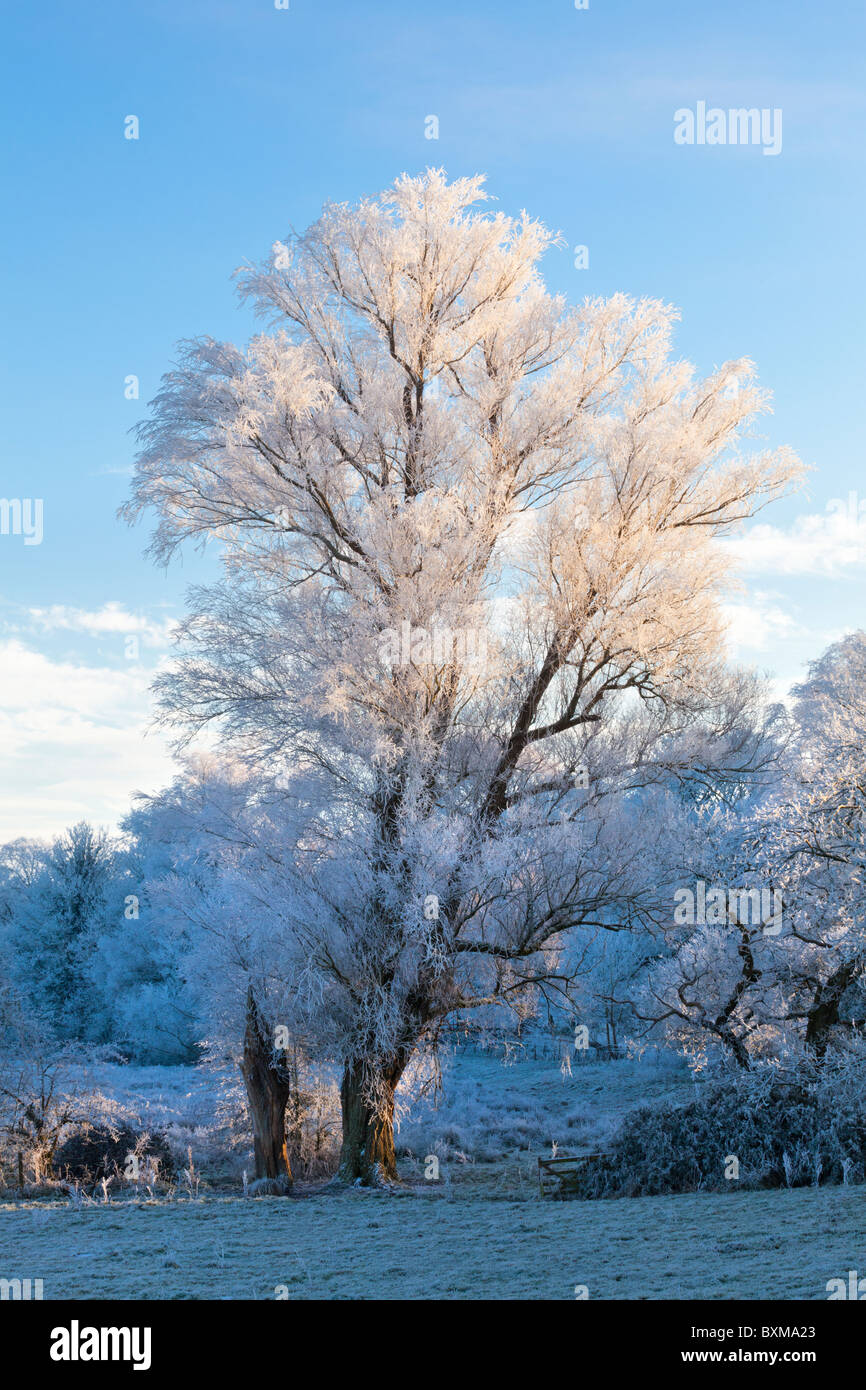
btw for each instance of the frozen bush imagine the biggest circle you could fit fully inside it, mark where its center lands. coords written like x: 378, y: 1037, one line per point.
x: 779, y: 1134
x: 103, y: 1151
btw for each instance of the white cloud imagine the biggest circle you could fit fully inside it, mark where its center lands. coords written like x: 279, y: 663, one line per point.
x: 757, y: 625
x: 110, y: 618
x: 75, y: 741
x: 829, y: 544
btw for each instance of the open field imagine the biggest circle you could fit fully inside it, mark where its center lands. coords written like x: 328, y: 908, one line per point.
x: 421, y: 1245
x: 481, y: 1232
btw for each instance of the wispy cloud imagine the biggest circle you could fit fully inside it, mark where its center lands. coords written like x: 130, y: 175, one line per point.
x: 111, y: 618
x: 758, y: 624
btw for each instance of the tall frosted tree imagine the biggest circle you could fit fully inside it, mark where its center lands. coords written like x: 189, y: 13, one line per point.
x: 470, y: 601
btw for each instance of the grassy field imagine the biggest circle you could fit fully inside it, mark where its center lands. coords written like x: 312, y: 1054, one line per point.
x: 427, y: 1245
x: 482, y: 1232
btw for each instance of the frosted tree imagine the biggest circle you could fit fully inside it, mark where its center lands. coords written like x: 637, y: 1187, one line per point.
x: 80, y: 945
x: 471, y: 600
x: 710, y: 985
x: 134, y: 965
x: 778, y: 962
x: 814, y: 835
x: 57, y: 901
x: 219, y: 893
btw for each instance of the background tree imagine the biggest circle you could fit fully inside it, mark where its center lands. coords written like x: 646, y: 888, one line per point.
x: 815, y: 837
x: 798, y: 985
x: 709, y: 986
x: 57, y: 901
x: 216, y: 899
x: 83, y: 946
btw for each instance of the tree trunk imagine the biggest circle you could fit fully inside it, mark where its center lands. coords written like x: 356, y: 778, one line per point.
x: 723, y: 1026
x: 824, y: 1013
x: 368, y: 1153
x: 738, y: 1049
x: 268, y: 1089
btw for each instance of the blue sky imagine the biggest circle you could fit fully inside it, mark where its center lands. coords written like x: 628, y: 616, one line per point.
x: 250, y: 117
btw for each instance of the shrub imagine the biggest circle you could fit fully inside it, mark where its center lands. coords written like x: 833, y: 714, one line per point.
x: 101, y: 1151
x: 789, y: 1135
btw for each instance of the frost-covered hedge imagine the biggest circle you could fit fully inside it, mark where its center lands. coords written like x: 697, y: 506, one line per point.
x: 750, y: 1133
x: 102, y: 1151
